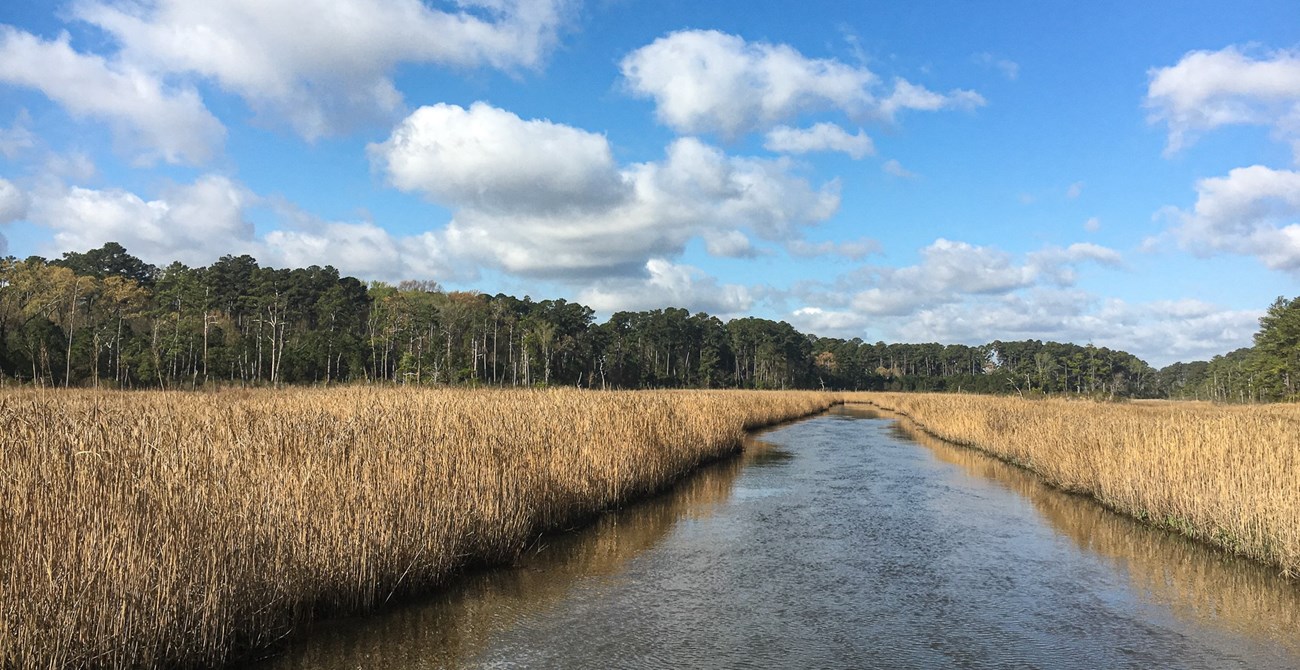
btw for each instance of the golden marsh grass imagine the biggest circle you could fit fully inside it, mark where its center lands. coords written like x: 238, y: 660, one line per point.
x: 184, y: 529
x: 1222, y: 474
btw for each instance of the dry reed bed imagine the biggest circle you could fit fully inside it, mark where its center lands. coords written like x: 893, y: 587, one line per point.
x: 165, y: 530
x: 1226, y: 475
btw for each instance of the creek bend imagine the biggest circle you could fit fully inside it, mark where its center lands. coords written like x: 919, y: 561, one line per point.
x: 842, y: 541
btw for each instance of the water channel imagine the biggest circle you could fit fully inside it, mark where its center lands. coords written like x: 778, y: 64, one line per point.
x: 843, y: 541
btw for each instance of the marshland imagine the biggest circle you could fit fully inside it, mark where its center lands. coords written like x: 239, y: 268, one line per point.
x: 162, y: 529
x: 199, y: 464
x: 167, y: 529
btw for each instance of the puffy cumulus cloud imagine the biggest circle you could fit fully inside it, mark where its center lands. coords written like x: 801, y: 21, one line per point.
x: 1254, y: 211
x: 948, y: 265
x: 560, y: 207
x: 1160, y: 332
x: 820, y: 137
x: 951, y: 272
x: 729, y: 244
x: 962, y: 293
x: 198, y: 223
x: 150, y: 119
x: 1208, y: 89
x: 708, y: 81
x: 949, y: 297
x: 193, y: 223
x: 668, y: 284
x: 324, y: 65
x: 829, y: 322
x: 361, y: 249
x: 1059, y: 265
x: 494, y: 161
x: 854, y: 250
x: 13, y: 202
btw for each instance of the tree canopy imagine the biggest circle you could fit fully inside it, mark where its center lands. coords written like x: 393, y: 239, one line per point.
x: 106, y: 318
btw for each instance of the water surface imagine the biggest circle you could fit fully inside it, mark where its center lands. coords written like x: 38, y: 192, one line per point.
x: 843, y: 541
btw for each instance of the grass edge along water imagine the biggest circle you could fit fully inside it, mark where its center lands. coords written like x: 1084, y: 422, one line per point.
x: 1222, y: 474
x: 187, y: 529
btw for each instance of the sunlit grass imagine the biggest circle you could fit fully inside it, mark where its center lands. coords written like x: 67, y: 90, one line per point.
x: 1223, y: 474
x: 156, y: 530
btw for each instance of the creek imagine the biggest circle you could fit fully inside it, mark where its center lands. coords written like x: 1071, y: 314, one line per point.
x: 842, y: 541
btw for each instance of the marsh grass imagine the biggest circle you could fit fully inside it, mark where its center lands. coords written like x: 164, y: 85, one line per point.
x: 1226, y: 475
x: 186, y: 529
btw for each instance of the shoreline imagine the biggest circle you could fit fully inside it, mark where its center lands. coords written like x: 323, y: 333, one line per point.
x: 1218, y: 539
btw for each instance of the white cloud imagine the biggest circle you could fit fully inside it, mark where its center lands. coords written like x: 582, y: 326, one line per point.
x: 820, y: 137
x: 1160, y: 332
x: 542, y: 199
x: 1254, y: 211
x: 1074, y: 191
x: 668, y: 284
x: 361, y: 249
x: 829, y: 323
x: 149, y: 118
x: 74, y: 165
x: 200, y: 222
x: 1092, y: 225
x: 491, y: 160
x: 1208, y: 89
x: 13, y: 202
x: 194, y: 223
x: 907, y: 95
x: 729, y: 244
x: 17, y: 139
x: 708, y: 81
x: 963, y: 293
x: 855, y: 250
x: 953, y: 272
x: 893, y: 168
x: 325, y: 65
x: 1059, y: 265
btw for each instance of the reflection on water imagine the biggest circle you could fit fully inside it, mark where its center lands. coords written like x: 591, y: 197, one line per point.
x: 458, y: 623
x: 1192, y: 580
x: 838, y: 542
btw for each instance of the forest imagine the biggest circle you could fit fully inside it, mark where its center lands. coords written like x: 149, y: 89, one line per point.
x: 104, y: 318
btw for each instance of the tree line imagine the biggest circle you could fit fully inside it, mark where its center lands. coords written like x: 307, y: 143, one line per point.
x: 1268, y: 371
x: 104, y: 318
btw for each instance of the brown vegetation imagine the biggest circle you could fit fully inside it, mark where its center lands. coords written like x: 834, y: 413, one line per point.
x: 1222, y: 474
x: 182, y: 529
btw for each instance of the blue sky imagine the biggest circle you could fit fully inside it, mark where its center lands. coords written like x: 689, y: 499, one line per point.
x: 1117, y: 173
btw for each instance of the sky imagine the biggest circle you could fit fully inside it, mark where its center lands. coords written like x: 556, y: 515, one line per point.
x: 1116, y: 173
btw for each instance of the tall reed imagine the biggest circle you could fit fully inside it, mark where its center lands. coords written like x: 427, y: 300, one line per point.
x: 1226, y: 475
x: 166, y: 530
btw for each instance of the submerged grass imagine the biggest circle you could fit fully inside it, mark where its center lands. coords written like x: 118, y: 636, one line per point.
x: 166, y: 530
x: 1226, y: 475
